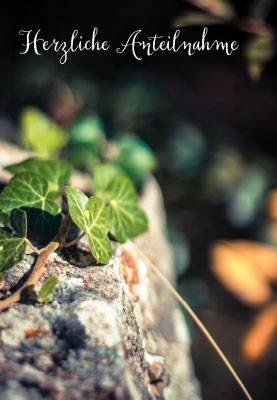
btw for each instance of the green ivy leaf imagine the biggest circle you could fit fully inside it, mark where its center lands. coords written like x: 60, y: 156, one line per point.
x: 86, y: 143
x: 134, y: 157
x: 40, y: 133
x: 56, y: 172
x: 127, y: 219
x: 30, y: 191
x: 12, y: 249
x: 47, y: 291
x: 258, y: 52
x: 91, y: 215
x: 42, y: 224
x: 27, y: 190
x: 89, y: 130
x: 18, y: 222
x: 103, y: 176
x: 4, y: 218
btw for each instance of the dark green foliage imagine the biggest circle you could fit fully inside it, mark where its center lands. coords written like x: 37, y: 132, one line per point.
x: 12, y: 249
x: 30, y: 208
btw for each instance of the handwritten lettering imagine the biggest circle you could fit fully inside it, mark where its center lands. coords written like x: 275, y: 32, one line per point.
x: 138, y: 48
x: 40, y: 45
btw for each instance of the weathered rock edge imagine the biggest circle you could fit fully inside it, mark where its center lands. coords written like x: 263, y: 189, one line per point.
x: 111, y: 332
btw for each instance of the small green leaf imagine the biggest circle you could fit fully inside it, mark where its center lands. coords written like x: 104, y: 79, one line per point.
x: 103, y: 176
x: 134, y: 157
x: 30, y: 191
x: 127, y: 219
x: 91, y: 216
x: 89, y: 130
x: 12, y: 249
x: 86, y: 142
x: 18, y: 222
x: 47, y: 291
x: 56, y: 172
x: 40, y: 133
x: 259, y: 51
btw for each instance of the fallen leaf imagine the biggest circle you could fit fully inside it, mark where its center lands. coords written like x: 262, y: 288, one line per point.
x: 246, y: 269
x: 261, y: 334
x: 272, y: 204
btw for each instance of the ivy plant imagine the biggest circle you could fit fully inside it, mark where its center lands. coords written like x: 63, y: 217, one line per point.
x: 84, y: 143
x: 31, y: 214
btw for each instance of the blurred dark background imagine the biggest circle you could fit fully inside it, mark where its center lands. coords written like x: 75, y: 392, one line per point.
x: 212, y: 128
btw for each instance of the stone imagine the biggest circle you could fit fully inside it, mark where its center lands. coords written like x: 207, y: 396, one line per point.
x: 111, y: 332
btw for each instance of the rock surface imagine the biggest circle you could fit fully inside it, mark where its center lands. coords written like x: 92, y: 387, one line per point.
x: 111, y: 332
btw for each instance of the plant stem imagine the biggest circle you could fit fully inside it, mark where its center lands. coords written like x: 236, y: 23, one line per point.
x: 33, y: 278
x: 64, y: 228
x: 43, y: 255
x: 68, y: 244
x: 35, y: 250
x: 196, y: 320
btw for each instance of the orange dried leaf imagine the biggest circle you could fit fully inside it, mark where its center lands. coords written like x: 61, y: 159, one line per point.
x: 261, y: 334
x: 263, y: 258
x: 130, y: 271
x: 272, y: 204
x: 246, y: 269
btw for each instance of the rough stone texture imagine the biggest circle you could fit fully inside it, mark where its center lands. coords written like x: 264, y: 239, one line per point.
x: 111, y: 332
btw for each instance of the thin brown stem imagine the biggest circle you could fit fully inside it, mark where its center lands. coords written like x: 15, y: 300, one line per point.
x: 64, y: 228
x: 196, y: 320
x: 35, y: 250
x: 68, y: 244
x: 33, y: 278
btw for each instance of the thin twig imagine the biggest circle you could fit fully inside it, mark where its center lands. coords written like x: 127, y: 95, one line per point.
x: 33, y: 278
x: 196, y: 320
x: 68, y: 244
x: 35, y: 250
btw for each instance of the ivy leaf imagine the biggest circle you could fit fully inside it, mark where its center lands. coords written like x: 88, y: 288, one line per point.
x: 30, y: 191
x: 56, y: 172
x: 91, y: 215
x: 41, y: 133
x: 12, y: 249
x: 89, y: 130
x: 42, y: 224
x: 27, y: 190
x: 4, y: 218
x: 127, y: 219
x: 18, y: 222
x: 259, y: 51
x: 47, y: 291
x: 86, y: 142
x: 103, y: 176
x: 134, y: 157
